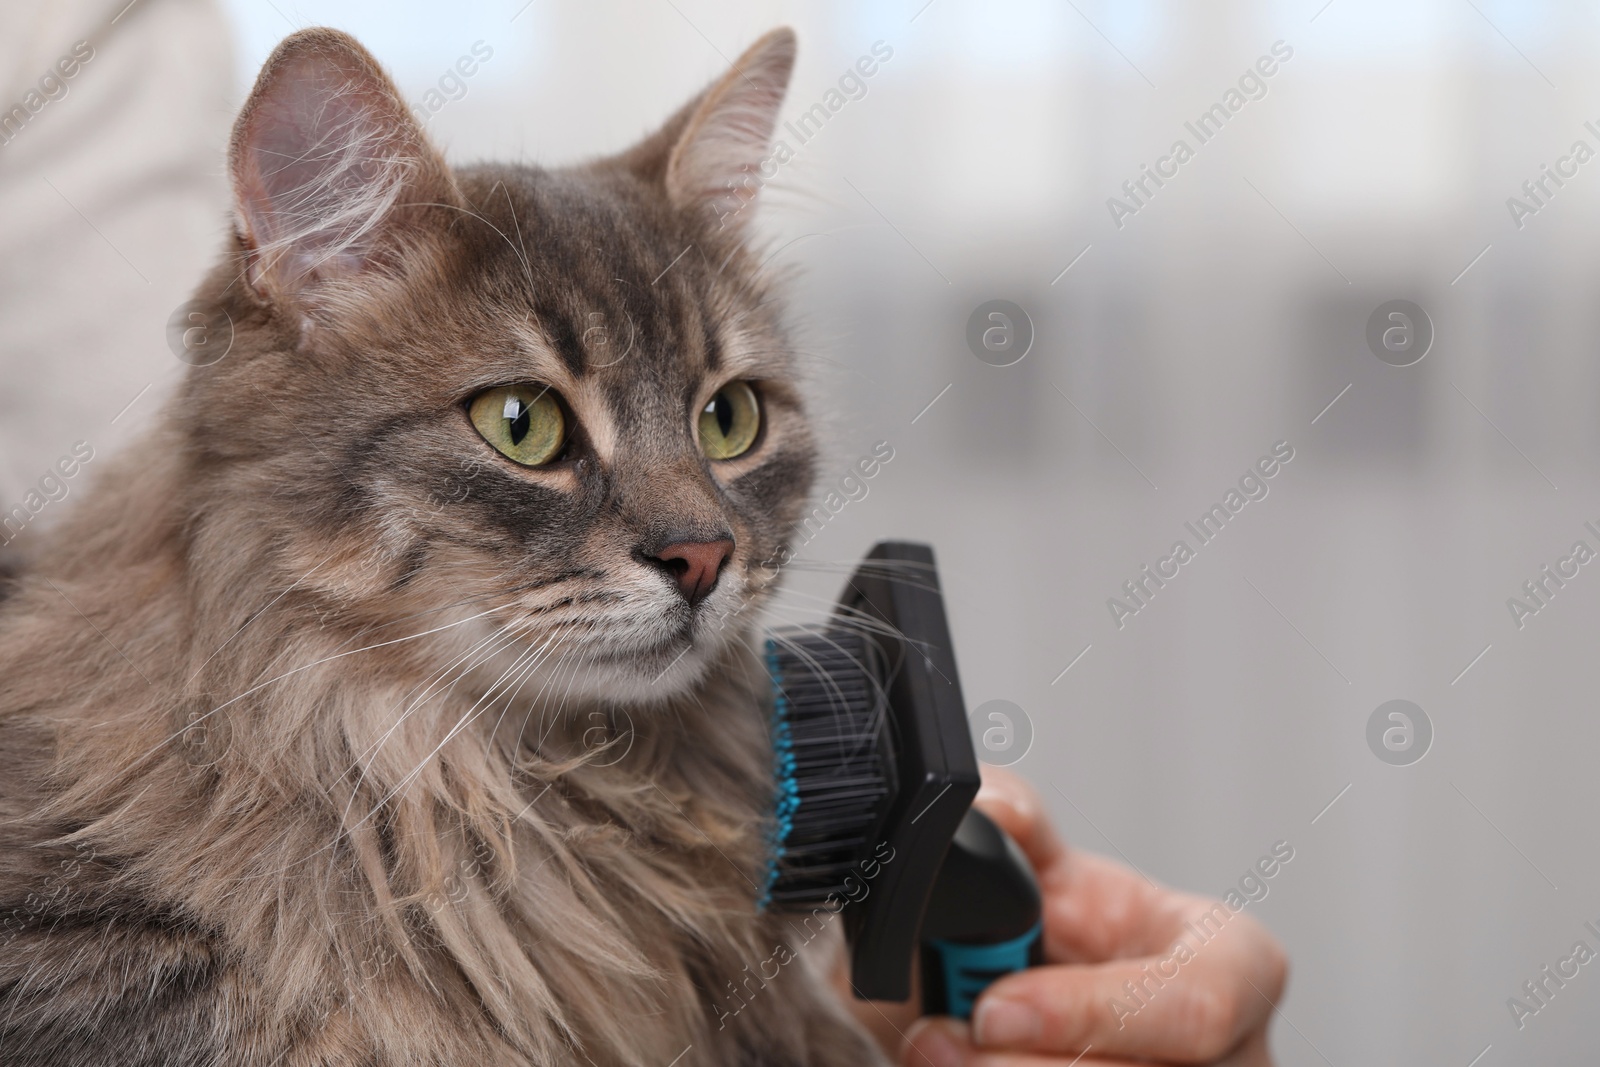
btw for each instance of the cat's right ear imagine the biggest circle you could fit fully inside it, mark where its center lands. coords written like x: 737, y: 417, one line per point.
x: 331, y: 173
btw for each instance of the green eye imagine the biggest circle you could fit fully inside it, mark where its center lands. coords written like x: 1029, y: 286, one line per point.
x: 730, y: 421
x: 523, y: 422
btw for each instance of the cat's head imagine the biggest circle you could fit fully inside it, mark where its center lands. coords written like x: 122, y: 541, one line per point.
x: 557, y: 403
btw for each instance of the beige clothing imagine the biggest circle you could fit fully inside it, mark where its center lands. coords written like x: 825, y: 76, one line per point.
x: 112, y: 203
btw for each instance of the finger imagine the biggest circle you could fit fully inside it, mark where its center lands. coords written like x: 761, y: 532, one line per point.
x: 941, y: 1042
x: 1190, y: 1005
x: 1095, y: 909
x: 1010, y: 801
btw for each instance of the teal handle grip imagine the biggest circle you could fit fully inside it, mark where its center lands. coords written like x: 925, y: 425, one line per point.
x: 970, y: 969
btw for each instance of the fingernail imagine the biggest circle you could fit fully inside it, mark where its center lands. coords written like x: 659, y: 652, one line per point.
x: 1005, y: 1023
x: 931, y: 1040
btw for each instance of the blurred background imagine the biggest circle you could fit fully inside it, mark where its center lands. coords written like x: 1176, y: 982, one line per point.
x: 1171, y: 343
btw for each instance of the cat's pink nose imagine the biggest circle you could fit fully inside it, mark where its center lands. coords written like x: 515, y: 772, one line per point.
x: 695, y: 565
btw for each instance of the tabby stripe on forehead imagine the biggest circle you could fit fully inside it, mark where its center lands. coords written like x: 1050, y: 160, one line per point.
x: 566, y: 340
x: 713, y: 346
x: 638, y: 310
x: 569, y: 342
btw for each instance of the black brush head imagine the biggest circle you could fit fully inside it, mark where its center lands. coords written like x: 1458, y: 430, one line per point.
x: 874, y: 762
x: 835, y: 767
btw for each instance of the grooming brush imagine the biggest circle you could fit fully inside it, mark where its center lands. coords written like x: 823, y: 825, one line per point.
x: 876, y: 775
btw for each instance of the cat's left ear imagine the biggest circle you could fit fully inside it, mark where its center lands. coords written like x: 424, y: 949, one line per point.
x: 332, y: 175
x: 709, y: 155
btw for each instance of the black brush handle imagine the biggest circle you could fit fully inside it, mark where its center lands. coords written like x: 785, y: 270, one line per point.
x: 936, y: 772
x: 983, y: 920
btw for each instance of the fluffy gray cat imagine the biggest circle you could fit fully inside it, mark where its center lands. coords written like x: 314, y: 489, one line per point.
x: 394, y: 702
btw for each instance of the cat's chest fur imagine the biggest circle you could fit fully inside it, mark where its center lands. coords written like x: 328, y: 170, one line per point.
x: 609, y: 918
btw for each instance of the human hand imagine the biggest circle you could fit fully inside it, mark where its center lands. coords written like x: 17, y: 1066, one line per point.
x: 1103, y: 924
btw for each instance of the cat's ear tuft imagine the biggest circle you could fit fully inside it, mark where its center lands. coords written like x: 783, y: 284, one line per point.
x: 328, y: 165
x: 726, y: 134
